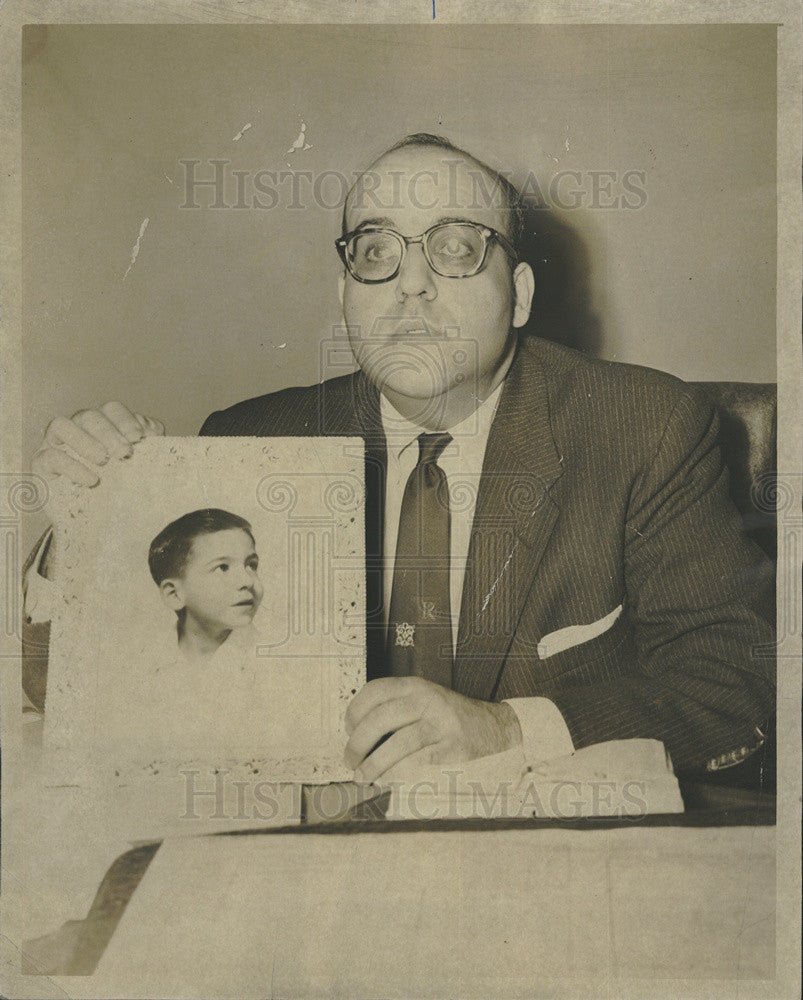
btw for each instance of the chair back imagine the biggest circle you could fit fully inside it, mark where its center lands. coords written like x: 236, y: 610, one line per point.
x: 748, y: 417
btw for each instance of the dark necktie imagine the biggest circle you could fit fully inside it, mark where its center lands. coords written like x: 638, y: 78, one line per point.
x: 420, y: 621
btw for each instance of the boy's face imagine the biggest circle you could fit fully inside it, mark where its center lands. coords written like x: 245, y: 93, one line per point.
x: 219, y: 587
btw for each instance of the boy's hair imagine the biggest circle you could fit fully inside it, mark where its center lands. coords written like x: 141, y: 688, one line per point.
x: 170, y: 550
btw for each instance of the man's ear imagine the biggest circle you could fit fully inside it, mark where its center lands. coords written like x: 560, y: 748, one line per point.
x: 523, y: 288
x: 170, y: 592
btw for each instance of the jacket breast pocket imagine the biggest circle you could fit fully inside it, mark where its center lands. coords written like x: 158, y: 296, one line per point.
x: 600, y: 657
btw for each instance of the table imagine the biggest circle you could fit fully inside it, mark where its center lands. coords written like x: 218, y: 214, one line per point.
x: 470, y: 908
x: 367, y: 907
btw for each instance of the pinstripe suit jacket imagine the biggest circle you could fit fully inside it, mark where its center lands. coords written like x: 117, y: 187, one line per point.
x: 602, y: 485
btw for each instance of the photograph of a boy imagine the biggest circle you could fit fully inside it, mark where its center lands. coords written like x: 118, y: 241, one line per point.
x: 206, y: 566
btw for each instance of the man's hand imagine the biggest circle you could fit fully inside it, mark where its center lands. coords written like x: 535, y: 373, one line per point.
x: 425, y: 724
x: 94, y: 436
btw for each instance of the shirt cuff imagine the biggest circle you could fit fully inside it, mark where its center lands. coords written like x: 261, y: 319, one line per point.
x: 544, y: 732
x: 40, y: 594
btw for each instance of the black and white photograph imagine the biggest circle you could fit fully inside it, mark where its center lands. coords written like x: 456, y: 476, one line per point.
x: 401, y: 501
x: 176, y: 625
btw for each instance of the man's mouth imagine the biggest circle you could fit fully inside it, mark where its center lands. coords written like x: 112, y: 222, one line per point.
x: 415, y: 327
x: 247, y: 603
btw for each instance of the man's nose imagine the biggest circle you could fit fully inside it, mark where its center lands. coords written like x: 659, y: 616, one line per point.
x: 415, y: 275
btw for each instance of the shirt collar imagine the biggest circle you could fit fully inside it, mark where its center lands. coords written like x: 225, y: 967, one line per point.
x: 400, y: 432
x: 239, y: 643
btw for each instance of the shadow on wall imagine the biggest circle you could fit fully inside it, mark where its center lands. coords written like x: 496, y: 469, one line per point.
x: 561, y: 309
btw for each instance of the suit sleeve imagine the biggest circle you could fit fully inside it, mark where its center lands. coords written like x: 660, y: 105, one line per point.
x: 212, y: 426
x: 35, y: 623
x: 699, y: 598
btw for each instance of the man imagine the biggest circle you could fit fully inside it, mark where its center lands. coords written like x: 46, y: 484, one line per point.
x: 552, y: 559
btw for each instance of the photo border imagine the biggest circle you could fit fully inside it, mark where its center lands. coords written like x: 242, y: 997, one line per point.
x: 787, y: 16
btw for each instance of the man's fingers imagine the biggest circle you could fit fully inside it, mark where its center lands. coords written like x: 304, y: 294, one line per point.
x: 53, y: 462
x: 409, y: 769
x: 123, y: 420
x: 62, y: 431
x: 91, y: 437
x: 401, y: 744
x: 98, y: 426
x: 385, y: 718
x: 150, y: 425
x: 374, y: 693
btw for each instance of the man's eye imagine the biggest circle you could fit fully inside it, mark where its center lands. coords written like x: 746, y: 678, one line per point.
x: 222, y: 566
x: 253, y: 564
x: 454, y: 248
x: 377, y: 251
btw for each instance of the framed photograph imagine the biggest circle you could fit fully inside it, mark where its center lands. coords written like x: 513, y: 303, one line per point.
x: 210, y: 609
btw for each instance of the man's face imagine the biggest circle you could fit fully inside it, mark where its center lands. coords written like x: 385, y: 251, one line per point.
x: 423, y: 339
x: 220, y: 587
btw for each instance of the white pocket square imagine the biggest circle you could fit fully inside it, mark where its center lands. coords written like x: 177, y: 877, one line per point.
x: 574, y: 635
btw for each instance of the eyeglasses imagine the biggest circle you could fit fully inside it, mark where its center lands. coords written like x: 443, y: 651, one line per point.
x: 373, y: 254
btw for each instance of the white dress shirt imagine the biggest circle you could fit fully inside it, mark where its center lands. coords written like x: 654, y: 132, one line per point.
x: 544, y: 732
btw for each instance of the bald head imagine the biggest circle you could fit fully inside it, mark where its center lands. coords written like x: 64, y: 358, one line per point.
x: 412, y: 168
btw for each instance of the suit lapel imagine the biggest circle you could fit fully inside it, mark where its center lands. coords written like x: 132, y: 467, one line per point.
x: 513, y: 521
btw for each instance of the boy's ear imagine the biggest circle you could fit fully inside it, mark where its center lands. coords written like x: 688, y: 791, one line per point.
x: 171, y: 595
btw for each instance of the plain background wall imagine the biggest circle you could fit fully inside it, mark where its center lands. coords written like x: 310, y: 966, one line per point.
x: 220, y: 305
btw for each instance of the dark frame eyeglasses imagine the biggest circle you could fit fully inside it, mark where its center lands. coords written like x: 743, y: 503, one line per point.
x: 345, y: 248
